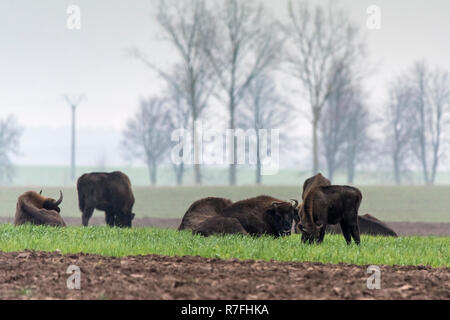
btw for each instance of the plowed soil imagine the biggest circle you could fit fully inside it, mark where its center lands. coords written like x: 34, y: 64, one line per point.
x: 41, y: 275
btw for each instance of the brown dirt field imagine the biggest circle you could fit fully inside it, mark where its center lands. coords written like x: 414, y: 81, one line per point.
x: 402, y: 228
x: 42, y: 275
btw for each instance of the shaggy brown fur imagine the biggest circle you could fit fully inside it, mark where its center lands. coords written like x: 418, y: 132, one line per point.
x: 263, y: 215
x: 109, y: 192
x: 368, y: 224
x: 35, y: 209
x: 219, y: 225
x: 330, y: 205
x: 315, y: 181
x: 201, y: 210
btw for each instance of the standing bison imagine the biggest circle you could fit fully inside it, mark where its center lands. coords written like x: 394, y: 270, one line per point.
x: 330, y: 205
x: 315, y: 181
x: 109, y: 192
x: 35, y: 209
x: 201, y: 210
x: 254, y: 216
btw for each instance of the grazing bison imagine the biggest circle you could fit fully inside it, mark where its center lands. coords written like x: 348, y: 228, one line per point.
x: 330, y: 205
x: 33, y: 208
x: 201, y: 210
x: 370, y: 225
x: 315, y: 181
x: 219, y: 225
x: 109, y: 192
x: 257, y: 216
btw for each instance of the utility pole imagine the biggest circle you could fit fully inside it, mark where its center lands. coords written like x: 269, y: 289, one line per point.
x: 73, y: 102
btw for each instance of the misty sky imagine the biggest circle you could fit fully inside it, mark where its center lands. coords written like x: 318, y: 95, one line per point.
x: 40, y: 59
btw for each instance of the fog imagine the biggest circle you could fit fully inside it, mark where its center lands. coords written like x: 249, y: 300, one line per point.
x: 41, y: 59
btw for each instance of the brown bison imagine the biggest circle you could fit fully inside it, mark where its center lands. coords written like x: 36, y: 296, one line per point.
x: 109, y: 192
x: 330, y: 205
x: 257, y: 216
x: 201, y: 210
x: 219, y: 225
x: 33, y: 208
x: 315, y: 181
x: 370, y: 225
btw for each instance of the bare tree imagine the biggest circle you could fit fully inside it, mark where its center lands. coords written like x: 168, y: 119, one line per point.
x: 179, y: 117
x: 244, y: 46
x: 147, y: 135
x: 264, y: 109
x: 431, y: 105
x: 358, y: 142
x: 10, y: 133
x: 344, y: 126
x: 333, y: 124
x: 322, y: 42
x: 399, y: 125
x: 184, y: 23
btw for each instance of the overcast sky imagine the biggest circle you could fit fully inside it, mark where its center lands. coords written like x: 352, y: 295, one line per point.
x: 40, y: 59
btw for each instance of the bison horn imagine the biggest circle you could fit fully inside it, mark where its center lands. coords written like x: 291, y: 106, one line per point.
x: 275, y: 203
x: 58, y: 202
x: 40, y: 192
x: 295, y: 203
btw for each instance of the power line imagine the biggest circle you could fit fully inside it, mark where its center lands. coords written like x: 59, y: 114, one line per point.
x: 73, y: 101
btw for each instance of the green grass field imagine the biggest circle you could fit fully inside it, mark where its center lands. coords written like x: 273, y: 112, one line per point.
x: 433, y: 251
x: 60, y: 176
x: 389, y: 203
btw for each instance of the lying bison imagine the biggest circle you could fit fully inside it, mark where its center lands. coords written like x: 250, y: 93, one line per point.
x: 370, y: 225
x: 33, y: 208
x: 330, y: 205
x: 220, y: 225
x: 201, y: 210
x: 256, y: 216
x: 109, y: 192
x: 315, y: 181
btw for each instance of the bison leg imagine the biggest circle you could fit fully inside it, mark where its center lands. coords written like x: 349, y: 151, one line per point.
x: 322, y: 234
x: 110, y: 218
x: 354, y: 229
x: 87, y: 214
x: 346, y: 232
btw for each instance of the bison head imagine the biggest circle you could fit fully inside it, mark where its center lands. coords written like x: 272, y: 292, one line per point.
x: 309, y: 231
x: 124, y: 220
x: 280, y: 217
x: 52, y: 204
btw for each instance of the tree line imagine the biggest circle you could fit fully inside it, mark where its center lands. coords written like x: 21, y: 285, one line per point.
x: 231, y: 55
x: 232, y: 52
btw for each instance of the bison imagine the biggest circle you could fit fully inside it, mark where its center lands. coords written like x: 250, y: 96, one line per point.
x: 257, y: 216
x: 315, y: 181
x: 330, y: 205
x: 370, y: 225
x: 219, y: 225
x: 109, y: 192
x: 35, y: 209
x: 201, y: 210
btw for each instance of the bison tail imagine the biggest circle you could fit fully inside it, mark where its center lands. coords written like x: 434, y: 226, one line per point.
x: 81, y: 200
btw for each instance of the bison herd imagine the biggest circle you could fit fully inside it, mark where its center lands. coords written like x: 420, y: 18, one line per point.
x: 323, y: 207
